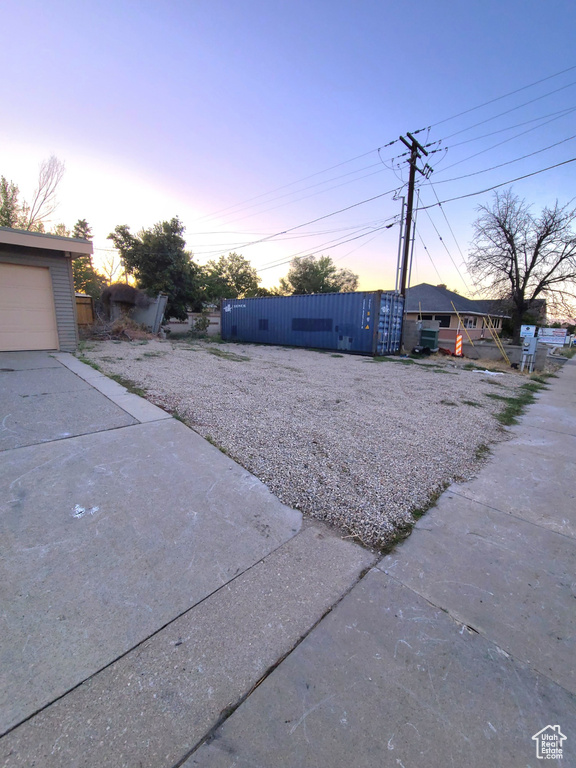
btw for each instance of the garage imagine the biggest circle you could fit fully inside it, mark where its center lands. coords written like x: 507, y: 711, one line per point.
x: 27, y: 316
x: 37, y: 299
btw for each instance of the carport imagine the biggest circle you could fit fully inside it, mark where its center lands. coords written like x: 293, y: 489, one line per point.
x: 37, y: 300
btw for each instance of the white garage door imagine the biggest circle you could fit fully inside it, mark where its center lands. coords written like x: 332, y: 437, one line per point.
x: 27, y: 316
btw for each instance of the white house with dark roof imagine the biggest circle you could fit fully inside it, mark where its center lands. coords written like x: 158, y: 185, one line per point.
x: 453, y: 312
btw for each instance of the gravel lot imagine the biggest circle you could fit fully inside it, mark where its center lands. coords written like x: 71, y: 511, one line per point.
x: 359, y: 443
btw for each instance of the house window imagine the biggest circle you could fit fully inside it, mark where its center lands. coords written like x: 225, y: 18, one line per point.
x: 426, y: 317
x: 470, y: 322
x: 444, y: 320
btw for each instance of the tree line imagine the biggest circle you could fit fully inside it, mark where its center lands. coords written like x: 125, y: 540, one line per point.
x: 157, y: 261
x: 516, y: 256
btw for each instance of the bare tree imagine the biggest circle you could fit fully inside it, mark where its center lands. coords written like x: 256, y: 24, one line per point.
x: 111, y: 268
x: 518, y: 257
x: 44, y: 201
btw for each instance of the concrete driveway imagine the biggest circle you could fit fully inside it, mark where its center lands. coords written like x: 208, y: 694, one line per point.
x: 116, y: 519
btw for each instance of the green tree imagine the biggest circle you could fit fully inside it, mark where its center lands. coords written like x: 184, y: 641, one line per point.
x: 310, y: 275
x: 519, y: 257
x: 82, y: 230
x: 61, y: 230
x: 9, y: 207
x: 230, y: 277
x: 159, y: 263
x: 86, y: 278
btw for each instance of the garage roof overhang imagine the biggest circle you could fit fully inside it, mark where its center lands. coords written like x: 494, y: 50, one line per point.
x: 70, y: 246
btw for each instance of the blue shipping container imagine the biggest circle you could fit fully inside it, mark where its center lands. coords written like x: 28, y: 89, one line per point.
x: 368, y: 323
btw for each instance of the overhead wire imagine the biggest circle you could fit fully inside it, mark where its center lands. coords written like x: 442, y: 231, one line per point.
x: 504, y: 96
x: 562, y: 113
x: 390, y: 143
x: 502, y: 184
x: 303, y: 254
x: 499, y: 144
x: 298, y: 181
x: 508, y: 162
x: 429, y: 256
x: 446, y: 247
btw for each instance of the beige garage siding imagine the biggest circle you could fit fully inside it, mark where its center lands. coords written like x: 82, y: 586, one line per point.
x: 27, y: 313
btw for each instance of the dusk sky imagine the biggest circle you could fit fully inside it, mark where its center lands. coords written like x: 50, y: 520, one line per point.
x: 228, y: 114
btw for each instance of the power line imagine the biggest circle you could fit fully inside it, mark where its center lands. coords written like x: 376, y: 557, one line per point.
x: 560, y: 113
x: 319, y: 218
x: 287, y: 260
x: 298, y: 181
x: 430, y: 257
x: 496, y: 186
x: 507, y: 112
x: 508, y: 162
x: 390, y: 143
x: 306, y: 197
x: 504, y: 96
x: 499, y: 144
x: 446, y: 247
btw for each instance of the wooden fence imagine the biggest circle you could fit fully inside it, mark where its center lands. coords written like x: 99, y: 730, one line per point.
x: 84, y: 310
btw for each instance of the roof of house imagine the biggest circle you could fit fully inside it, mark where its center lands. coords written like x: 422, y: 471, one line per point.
x: 428, y: 298
x: 72, y: 245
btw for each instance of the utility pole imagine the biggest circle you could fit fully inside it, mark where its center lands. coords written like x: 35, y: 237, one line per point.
x: 415, y: 149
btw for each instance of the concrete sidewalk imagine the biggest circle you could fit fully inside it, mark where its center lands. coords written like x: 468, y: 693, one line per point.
x: 165, y: 610
x: 458, y: 647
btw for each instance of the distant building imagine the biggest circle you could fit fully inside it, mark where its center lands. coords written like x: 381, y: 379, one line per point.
x: 453, y: 313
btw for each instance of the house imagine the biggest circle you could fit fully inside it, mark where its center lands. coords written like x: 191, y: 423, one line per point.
x: 455, y: 314
x: 37, y: 299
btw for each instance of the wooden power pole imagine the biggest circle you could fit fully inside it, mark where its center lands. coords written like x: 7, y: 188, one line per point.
x: 415, y: 150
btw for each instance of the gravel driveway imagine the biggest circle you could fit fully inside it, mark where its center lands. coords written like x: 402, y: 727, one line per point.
x: 359, y: 443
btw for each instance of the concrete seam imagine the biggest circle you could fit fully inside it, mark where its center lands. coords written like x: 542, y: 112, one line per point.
x: 109, y: 378
x: 477, y: 631
x: 229, y: 711
x: 511, y: 514
x: 148, y: 637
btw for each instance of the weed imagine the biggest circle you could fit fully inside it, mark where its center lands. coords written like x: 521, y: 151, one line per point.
x: 91, y: 363
x: 227, y: 355
x: 128, y: 384
x: 482, y: 452
x: 178, y: 417
x: 336, y: 355
x: 533, y: 386
x: 213, y: 442
x: 155, y: 354
x: 542, y: 378
x: 386, y: 359
x: 432, y: 501
x: 447, y: 402
x: 473, y: 403
x: 515, y: 404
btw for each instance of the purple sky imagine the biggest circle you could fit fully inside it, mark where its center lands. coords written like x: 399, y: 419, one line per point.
x: 194, y: 108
